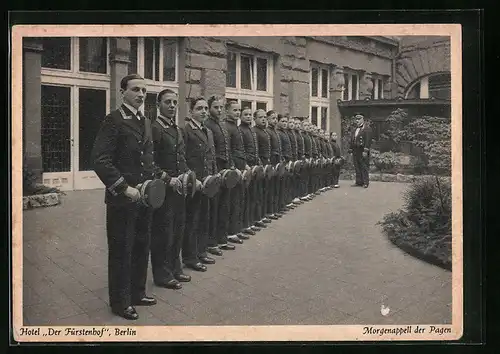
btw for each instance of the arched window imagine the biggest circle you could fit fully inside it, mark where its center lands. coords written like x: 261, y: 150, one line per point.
x: 432, y: 86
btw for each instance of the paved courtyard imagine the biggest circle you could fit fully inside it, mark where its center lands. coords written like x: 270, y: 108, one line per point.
x: 325, y: 262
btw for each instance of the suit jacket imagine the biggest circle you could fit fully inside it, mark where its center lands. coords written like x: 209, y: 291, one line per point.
x: 200, y: 151
x: 221, y: 143
x: 122, y: 154
x: 314, y: 144
x: 276, y: 156
x: 307, y: 145
x: 335, y: 148
x: 286, y: 148
x: 264, y: 144
x: 250, y: 144
x: 293, y: 144
x: 169, y: 147
x: 236, y: 145
x: 364, y: 139
x: 300, y: 144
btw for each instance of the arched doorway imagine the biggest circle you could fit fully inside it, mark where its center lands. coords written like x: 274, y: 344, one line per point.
x: 437, y: 85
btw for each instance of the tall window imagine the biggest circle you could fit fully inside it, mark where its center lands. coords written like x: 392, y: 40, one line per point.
x: 351, y: 87
x: 378, y: 89
x: 319, y: 95
x: 56, y: 53
x: 154, y: 58
x: 249, y: 79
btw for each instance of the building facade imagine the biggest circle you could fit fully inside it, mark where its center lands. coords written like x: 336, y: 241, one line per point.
x: 71, y: 83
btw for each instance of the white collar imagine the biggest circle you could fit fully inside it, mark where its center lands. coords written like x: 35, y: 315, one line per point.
x: 131, y: 109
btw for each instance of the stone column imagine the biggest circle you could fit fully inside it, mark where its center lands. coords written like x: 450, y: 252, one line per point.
x: 32, y: 105
x: 119, y: 60
x: 337, y: 84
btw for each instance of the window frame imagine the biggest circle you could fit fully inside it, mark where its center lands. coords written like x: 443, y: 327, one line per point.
x: 348, y: 85
x: 252, y: 95
x: 320, y: 101
x: 377, y: 83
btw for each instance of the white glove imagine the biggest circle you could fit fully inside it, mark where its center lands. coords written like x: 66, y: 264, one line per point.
x: 132, y: 193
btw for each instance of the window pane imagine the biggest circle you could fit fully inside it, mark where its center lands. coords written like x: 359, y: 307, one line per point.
x: 93, y: 54
x: 246, y: 72
x: 169, y: 57
x: 148, y: 58
x: 231, y: 70
x: 246, y: 104
x: 314, y: 116
x: 374, y: 88
x: 92, y: 109
x: 324, y: 83
x: 346, y: 88
x: 150, y: 109
x: 262, y: 105
x: 354, y: 87
x: 132, y: 66
x: 56, y: 125
x: 57, y: 53
x: 314, y: 82
x: 157, y: 59
x: 380, y: 89
x: 324, y: 117
x: 414, y: 92
x: 261, y: 74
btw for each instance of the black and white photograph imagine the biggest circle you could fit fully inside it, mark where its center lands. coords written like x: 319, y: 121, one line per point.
x: 212, y: 182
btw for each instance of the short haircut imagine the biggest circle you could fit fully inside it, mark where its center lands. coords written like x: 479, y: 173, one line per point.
x: 280, y: 116
x: 126, y: 79
x: 163, y: 93
x: 193, y: 101
x: 283, y: 117
x: 257, y: 111
x: 271, y: 112
x: 229, y: 103
x: 244, y: 108
x: 213, y: 99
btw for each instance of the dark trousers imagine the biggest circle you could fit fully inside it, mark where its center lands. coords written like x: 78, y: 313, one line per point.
x: 213, y: 211
x: 282, y: 192
x: 221, y: 217
x: 278, y: 195
x: 197, y: 228
x: 167, y: 237
x: 235, y: 196
x: 256, y: 198
x: 361, y: 166
x: 128, y: 230
x: 335, y: 175
x: 269, y: 195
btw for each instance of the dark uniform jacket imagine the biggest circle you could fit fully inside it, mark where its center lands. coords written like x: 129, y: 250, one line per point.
x: 250, y: 144
x: 123, y: 154
x: 276, y: 156
x: 222, y: 143
x: 286, y: 148
x: 200, y: 151
x: 300, y: 144
x: 328, y: 148
x: 307, y: 145
x: 236, y: 145
x: 293, y: 144
x: 363, y: 140
x: 169, y: 147
x: 335, y: 149
x: 315, y: 150
x: 264, y: 144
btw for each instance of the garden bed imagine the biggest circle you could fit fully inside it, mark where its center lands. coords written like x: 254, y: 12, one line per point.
x: 388, y: 177
x: 41, y: 200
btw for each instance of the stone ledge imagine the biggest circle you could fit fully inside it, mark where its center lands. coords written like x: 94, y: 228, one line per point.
x: 387, y: 177
x: 41, y: 200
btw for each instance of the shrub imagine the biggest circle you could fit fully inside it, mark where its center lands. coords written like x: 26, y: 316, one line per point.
x: 423, y: 226
x: 31, y: 187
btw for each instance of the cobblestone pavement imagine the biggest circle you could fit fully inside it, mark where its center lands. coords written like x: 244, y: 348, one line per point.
x: 325, y: 262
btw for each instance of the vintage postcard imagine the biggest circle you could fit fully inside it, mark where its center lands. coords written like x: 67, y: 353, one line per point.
x: 237, y: 183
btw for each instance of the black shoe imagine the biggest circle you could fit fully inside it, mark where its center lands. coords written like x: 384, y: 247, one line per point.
x: 273, y: 217
x: 243, y: 236
x: 145, y: 301
x: 365, y: 186
x: 260, y: 224
x: 172, y: 284
x: 255, y: 228
x: 129, y: 313
x: 235, y: 239
x: 249, y: 231
x: 266, y: 220
x: 227, y: 246
x: 199, y: 267
x: 183, y: 278
x: 207, y: 260
x: 216, y: 251
x: 356, y: 185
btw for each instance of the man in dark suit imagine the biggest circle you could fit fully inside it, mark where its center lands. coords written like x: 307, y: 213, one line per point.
x: 286, y: 149
x: 220, y: 203
x: 275, y: 157
x: 170, y: 219
x: 236, y: 195
x: 200, y: 157
x: 264, y: 151
x: 123, y: 158
x: 361, y: 140
x: 336, y: 155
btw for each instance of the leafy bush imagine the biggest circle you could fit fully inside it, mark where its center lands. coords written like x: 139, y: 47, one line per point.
x: 30, y: 185
x: 423, y: 226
